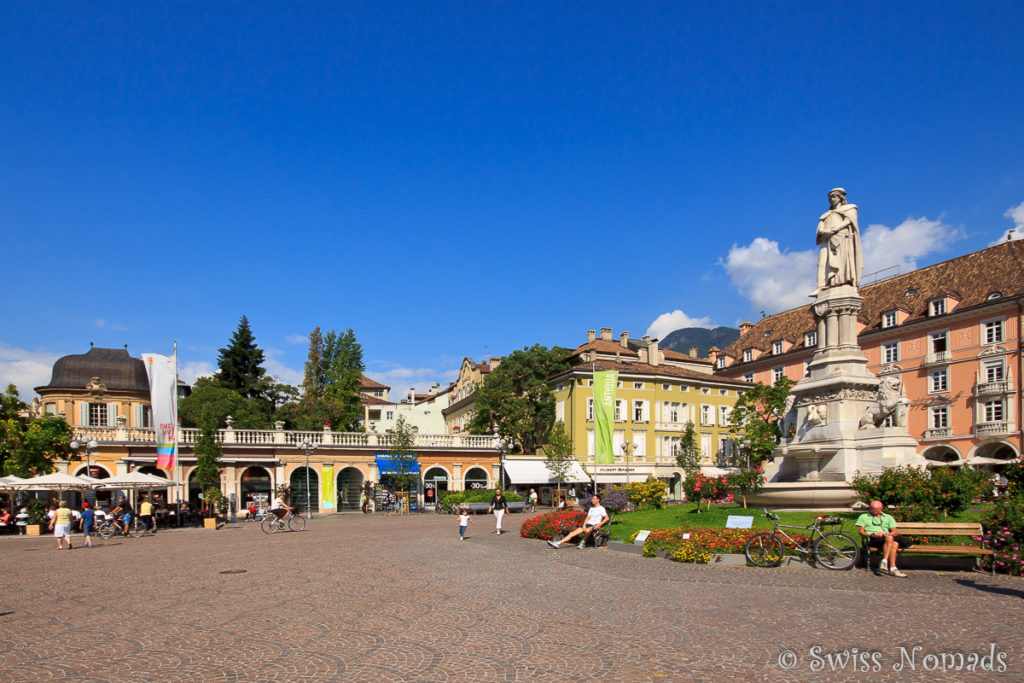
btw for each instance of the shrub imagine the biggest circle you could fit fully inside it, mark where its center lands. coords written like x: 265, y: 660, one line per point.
x: 1014, y: 472
x: 37, y: 509
x: 450, y: 499
x: 700, y: 488
x: 950, y: 490
x: 649, y: 494
x: 615, y: 500
x: 745, y: 483
x: 551, y: 525
x: 1003, y: 532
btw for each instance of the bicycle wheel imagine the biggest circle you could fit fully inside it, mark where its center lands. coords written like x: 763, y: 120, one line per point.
x: 296, y: 523
x: 764, y: 550
x: 105, y: 530
x: 836, y: 551
x: 269, y: 524
x: 137, y: 528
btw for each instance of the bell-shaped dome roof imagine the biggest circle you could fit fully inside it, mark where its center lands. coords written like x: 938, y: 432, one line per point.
x: 115, y: 368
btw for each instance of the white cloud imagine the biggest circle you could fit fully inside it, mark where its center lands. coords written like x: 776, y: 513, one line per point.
x: 775, y: 280
x: 109, y: 325
x: 25, y: 369
x: 901, y: 246
x: 280, y: 371
x: 192, y: 370
x: 297, y: 339
x: 676, y: 320
x: 1015, y: 214
x: 771, y: 279
x: 401, y: 378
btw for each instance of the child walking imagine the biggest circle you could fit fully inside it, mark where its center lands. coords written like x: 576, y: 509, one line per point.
x: 464, y: 521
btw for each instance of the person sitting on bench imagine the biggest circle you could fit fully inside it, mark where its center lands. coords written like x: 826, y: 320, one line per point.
x: 597, y: 517
x: 879, y: 528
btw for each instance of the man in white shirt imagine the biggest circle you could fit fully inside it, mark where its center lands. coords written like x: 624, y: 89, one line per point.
x: 597, y: 517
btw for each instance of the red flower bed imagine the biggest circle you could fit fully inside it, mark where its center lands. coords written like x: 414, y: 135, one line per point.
x: 551, y: 525
x: 716, y: 541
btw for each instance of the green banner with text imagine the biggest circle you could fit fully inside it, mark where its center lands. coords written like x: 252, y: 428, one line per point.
x: 605, y: 383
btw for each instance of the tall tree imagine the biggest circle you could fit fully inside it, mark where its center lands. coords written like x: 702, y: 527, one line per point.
x: 401, y: 442
x: 688, y: 451
x: 343, y: 362
x: 516, y: 399
x: 29, y: 447
x: 211, y: 403
x: 314, y: 381
x: 241, y: 363
x: 558, y: 457
x: 208, y: 453
x: 756, y: 416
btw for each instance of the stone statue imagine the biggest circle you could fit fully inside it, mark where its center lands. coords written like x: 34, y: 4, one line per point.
x: 817, y: 415
x: 95, y: 387
x: 840, y: 260
x: 891, y: 401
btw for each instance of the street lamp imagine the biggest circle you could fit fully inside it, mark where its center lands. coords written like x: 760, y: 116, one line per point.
x: 625, y: 450
x: 501, y: 443
x: 306, y: 446
x: 91, y: 447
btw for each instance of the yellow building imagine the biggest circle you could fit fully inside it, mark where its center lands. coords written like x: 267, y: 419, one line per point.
x: 659, y: 393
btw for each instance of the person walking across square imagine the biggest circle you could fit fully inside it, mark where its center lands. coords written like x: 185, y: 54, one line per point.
x: 499, y: 506
x: 86, y: 523
x: 464, y: 522
x: 61, y: 525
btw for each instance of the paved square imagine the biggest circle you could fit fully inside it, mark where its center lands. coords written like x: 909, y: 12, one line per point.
x: 375, y: 598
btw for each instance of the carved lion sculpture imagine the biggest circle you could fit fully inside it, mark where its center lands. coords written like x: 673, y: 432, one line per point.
x: 891, y: 401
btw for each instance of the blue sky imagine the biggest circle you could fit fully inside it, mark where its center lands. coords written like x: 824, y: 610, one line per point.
x: 462, y: 179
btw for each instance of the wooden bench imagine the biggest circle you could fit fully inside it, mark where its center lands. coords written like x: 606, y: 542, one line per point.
x: 969, y: 529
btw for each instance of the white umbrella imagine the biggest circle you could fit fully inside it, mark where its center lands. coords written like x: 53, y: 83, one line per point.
x: 59, y: 481
x: 10, y: 482
x: 135, y: 480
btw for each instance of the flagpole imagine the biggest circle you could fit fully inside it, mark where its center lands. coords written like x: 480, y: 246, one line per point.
x: 593, y: 392
x: 177, y: 458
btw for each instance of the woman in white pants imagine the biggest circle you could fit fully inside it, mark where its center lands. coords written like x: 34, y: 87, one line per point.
x: 499, y: 506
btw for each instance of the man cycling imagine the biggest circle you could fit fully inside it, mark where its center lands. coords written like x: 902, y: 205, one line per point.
x: 123, y: 514
x: 279, y: 508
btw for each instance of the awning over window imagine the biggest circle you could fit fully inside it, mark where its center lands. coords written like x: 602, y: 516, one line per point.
x: 536, y: 472
x: 389, y: 464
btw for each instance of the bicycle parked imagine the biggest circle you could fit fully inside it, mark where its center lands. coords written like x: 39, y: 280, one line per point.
x: 832, y: 549
x: 113, y: 525
x: 291, y: 521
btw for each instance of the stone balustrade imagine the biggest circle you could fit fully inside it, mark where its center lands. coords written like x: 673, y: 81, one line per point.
x: 188, y: 436
x: 991, y: 429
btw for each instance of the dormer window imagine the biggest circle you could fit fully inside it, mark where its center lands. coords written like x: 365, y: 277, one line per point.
x: 937, y: 307
x: 889, y: 319
x: 811, y: 339
x: 776, y: 348
x: 721, y: 361
x: 748, y: 355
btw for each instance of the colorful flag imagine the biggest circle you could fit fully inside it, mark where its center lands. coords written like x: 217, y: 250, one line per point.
x: 328, y: 487
x: 163, y: 398
x: 605, y: 383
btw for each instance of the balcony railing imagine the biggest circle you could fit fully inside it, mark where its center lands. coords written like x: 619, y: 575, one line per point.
x: 938, y: 358
x: 938, y: 433
x: 991, y: 428
x: 274, y: 437
x: 670, y: 426
x: 991, y: 388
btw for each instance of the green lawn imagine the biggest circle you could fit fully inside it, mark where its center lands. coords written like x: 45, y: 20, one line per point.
x: 686, y: 516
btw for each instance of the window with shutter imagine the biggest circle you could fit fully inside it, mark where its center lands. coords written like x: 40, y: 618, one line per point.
x: 83, y: 414
x: 111, y: 414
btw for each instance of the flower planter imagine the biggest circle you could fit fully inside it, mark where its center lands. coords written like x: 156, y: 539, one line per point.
x: 210, y: 523
x: 34, y: 530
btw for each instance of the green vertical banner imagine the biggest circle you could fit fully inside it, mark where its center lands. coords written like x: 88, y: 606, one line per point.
x: 605, y: 383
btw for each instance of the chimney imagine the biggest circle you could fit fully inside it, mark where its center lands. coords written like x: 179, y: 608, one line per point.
x: 643, y: 354
x: 745, y: 327
x: 606, y: 334
x: 646, y: 338
x: 693, y: 352
x: 624, y: 339
x: 591, y: 336
x: 713, y: 354
x: 653, y: 353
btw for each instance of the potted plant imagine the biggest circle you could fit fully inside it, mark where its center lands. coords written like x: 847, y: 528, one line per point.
x: 213, y: 500
x: 37, y: 508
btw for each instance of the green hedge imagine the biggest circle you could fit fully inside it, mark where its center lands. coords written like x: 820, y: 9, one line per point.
x: 454, y: 498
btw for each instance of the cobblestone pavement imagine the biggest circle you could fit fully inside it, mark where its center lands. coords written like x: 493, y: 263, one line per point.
x: 380, y: 598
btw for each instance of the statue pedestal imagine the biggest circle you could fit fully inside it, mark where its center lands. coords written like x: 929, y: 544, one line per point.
x: 825, y: 442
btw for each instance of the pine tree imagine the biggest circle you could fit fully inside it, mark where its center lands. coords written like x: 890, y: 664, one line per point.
x: 241, y: 363
x: 315, y: 380
x: 343, y: 365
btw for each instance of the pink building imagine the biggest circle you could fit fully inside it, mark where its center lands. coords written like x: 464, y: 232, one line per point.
x: 951, y: 332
